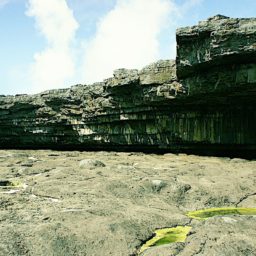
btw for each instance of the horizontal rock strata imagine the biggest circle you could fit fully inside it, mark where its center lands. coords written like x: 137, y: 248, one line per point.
x: 217, y: 55
x: 208, y: 107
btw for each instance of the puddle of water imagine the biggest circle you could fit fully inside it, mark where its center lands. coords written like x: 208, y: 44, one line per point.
x: 167, y: 236
x: 208, y: 213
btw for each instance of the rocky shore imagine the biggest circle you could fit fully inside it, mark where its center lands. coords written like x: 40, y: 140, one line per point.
x: 108, y: 203
x: 58, y: 198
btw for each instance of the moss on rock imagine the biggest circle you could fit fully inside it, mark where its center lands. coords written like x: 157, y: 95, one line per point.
x: 167, y: 236
x: 208, y: 213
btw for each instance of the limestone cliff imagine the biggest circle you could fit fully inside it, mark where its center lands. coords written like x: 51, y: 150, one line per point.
x: 208, y: 107
x: 217, y: 55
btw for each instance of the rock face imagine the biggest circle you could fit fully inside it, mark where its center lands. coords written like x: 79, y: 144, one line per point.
x: 217, y: 55
x: 208, y: 107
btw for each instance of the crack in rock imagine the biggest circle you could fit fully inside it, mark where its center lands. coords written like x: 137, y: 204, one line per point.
x: 244, y: 198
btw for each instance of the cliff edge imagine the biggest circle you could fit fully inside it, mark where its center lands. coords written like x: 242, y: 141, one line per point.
x: 204, y: 102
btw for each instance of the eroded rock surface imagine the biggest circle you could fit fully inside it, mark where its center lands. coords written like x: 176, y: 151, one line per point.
x: 113, y: 209
x: 207, y: 108
x: 217, y: 55
x: 120, y: 113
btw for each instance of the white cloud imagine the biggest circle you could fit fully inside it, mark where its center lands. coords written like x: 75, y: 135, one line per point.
x: 54, y: 66
x: 133, y: 34
x: 127, y: 37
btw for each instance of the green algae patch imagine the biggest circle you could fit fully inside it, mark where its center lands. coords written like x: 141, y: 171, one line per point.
x: 208, y: 213
x: 167, y: 236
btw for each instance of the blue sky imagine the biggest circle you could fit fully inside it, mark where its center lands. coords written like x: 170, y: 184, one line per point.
x: 47, y: 44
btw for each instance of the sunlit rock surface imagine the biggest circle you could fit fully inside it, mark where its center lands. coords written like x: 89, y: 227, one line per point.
x: 107, y: 203
x: 207, y: 108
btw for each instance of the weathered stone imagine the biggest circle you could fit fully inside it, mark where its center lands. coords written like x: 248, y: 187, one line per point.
x: 65, y: 210
x: 217, y: 55
x: 123, y: 77
x: 160, y: 72
x: 157, y: 185
x: 91, y: 164
x: 208, y: 108
x: 216, y: 41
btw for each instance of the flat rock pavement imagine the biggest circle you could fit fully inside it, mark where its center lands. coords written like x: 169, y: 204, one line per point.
x: 108, y: 203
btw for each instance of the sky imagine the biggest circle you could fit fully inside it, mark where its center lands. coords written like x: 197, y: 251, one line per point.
x: 50, y: 44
